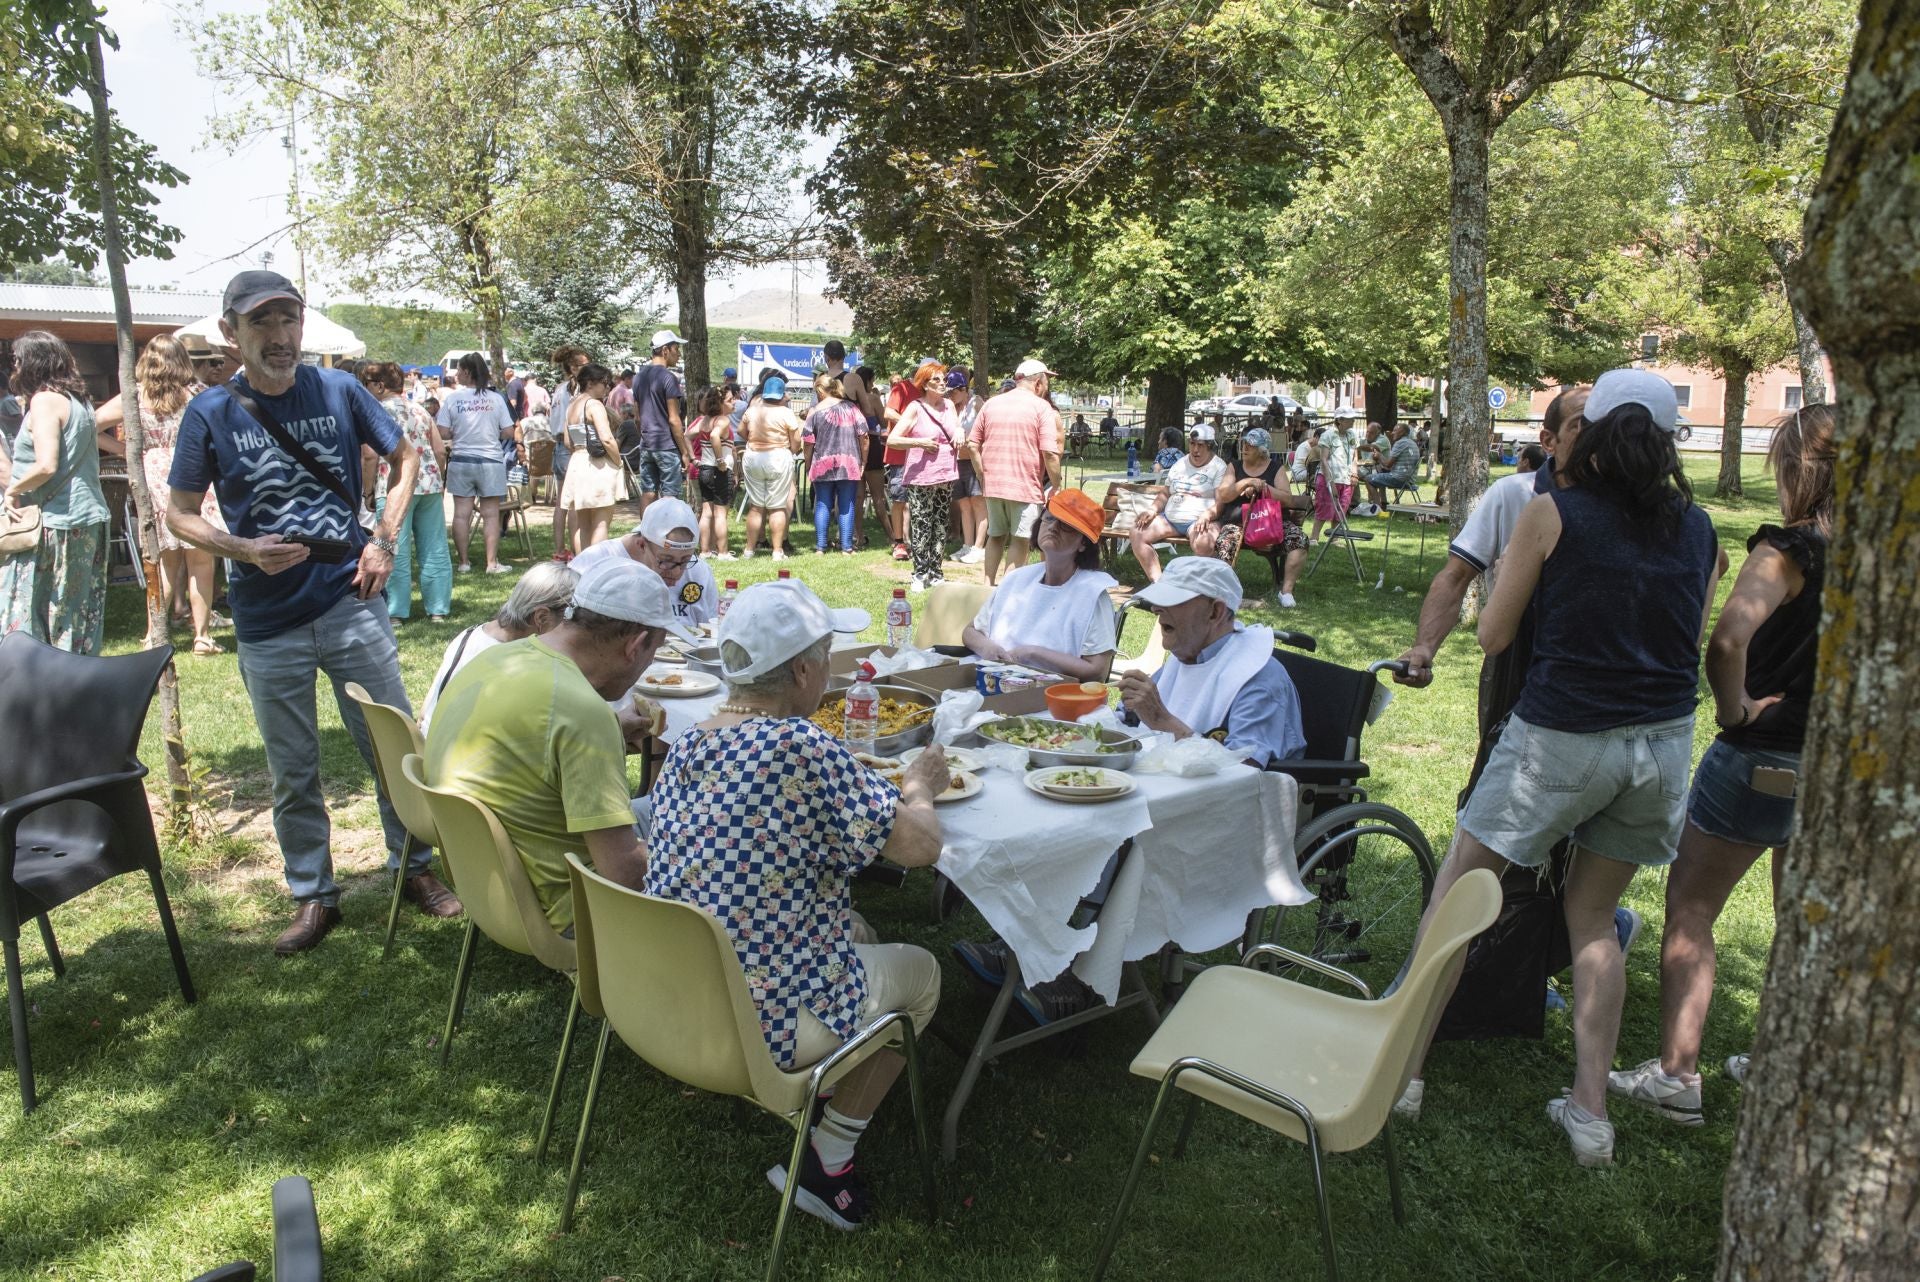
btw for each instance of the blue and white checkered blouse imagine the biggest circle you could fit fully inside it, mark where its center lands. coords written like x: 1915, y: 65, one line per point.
x: 761, y: 825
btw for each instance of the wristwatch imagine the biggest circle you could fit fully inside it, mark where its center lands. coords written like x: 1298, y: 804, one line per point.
x: 385, y: 545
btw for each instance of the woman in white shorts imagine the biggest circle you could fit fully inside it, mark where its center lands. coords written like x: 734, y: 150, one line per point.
x: 766, y: 469
x: 595, y: 482
x: 1619, y: 566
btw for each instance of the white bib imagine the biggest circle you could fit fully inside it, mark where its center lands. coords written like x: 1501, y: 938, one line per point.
x: 1200, y: 694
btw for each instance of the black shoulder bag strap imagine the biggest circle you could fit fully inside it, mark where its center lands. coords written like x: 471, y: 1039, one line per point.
x: 285, y: 440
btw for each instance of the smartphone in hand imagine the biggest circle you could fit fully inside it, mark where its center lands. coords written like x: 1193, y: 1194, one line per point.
x: 322, y: 551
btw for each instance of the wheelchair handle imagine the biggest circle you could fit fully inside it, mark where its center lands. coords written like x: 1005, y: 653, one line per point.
x: 1388, y: 665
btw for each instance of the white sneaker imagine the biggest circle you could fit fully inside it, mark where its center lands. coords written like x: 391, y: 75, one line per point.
x: 1592, y: 1137
x: 1407, y: 1107
x: 917, y: 584
x: 1286, y: 601
x: 1737, y: 1067
x: 1674, y: 1098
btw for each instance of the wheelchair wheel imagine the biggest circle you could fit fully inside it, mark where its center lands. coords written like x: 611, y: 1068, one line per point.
x: 1371, y: 870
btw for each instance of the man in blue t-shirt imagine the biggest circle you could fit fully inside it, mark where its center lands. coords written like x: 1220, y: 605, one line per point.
x: 306, y: 581
x: 663, y: 459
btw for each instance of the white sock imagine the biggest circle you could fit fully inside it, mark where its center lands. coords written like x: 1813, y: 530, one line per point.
x: 834, y: 1138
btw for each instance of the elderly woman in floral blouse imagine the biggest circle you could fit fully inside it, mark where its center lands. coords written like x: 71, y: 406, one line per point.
x: 760, y: 818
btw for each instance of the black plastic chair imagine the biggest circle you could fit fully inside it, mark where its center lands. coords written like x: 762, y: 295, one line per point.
x: 73, y: 812
x: 296, y: 1239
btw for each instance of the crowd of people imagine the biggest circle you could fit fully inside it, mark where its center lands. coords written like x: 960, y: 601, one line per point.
x: 1603, y: 574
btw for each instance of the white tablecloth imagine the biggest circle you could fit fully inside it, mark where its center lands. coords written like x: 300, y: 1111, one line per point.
x: 1207, y: 852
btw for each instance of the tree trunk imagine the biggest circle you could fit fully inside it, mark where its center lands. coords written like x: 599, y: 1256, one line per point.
x: 1166, y: 406
x: 1383, y: 398
x: 690, y: 290
x: 1469, y: 134
x: 1806, y: 344
x: 1824, y: 1182
x: 980, y: 320
x: 179, y: 780
x: 1732, y: 418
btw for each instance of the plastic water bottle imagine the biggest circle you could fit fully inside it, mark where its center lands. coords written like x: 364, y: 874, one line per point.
x: 726, y: 598
x: 786, y: 574
x: 899, y: 620
x: 1133, y: 460
x: 863, y: 711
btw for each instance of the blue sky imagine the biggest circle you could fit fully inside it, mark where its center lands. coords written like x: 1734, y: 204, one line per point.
x: 229, y: 211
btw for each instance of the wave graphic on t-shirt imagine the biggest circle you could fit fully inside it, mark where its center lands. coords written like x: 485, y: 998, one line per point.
x: 284, y: 499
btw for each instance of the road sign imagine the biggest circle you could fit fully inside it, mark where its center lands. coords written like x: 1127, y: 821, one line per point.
x: 1497, y: 397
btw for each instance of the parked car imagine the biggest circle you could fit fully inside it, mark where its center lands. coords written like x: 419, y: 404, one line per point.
x: 1205, y: 405
x: 1250, y: 405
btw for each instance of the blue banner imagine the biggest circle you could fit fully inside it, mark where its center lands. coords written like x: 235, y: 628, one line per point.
x: 797, y: 361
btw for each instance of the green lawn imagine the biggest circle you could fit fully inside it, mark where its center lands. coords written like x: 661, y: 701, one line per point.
x: 162, y: 1126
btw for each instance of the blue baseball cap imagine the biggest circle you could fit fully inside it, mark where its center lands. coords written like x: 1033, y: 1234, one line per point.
x: 729, y: 373
x: 775, y: 389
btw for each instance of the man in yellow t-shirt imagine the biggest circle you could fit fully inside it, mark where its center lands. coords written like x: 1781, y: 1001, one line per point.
x: 526, y: 728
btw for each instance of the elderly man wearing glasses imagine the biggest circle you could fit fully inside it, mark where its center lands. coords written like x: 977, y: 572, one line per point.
x: 667, y: 541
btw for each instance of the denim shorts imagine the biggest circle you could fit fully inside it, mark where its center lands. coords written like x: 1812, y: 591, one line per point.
x: 896, y: 482
x: 1723, y: 802
x: 476, y: 479
x: 1618, y: 793
x: 659, y: 472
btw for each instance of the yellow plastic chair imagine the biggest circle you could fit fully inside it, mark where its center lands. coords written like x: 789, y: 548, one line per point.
x: 1319, y: 1068
x: 946, y: 612
x: 665, y: 977
x: 500, y: 904
x: 395, y: 736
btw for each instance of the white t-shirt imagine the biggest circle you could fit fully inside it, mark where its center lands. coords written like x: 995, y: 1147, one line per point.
x: 696, y: 598
x: 1341, y: 449
x: 1073, y: 618
x: 460, y: 652
x: 1298, y: 467
x: 476, y: 417
x: 1191, y: 490
x: 1489, y: 526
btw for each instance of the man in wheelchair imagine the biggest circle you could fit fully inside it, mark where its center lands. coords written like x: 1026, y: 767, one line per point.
x: 1220, y: 678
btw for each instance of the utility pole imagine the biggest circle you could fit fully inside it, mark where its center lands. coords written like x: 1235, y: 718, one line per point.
x: 291, y: 140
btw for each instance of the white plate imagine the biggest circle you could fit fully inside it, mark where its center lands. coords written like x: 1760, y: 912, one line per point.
x: 961, y: 760
x: 970, y: 786
x: 1114, y: 784
x: 686, y: 685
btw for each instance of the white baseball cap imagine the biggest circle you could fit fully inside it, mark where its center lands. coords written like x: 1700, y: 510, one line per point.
x: 664, y: 337
x: 1640, y: 387
x: 623, y: 589
x: 664, y: 516
x: 1032, y: 367
x: 774, y: 621
x: 1187, y: 577
x: 1201, y: 432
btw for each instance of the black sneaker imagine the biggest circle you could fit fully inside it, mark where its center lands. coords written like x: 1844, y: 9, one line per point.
x: 1055, y: 999
x: 841, y: 1200
x: 985, y: 960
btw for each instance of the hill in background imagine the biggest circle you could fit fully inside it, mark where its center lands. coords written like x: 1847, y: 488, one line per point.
x: 771, y: 309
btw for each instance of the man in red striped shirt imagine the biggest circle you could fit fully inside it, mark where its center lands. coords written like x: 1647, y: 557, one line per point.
x: 1018, y: 439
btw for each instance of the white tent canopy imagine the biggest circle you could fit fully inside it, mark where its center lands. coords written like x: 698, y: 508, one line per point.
x: 322, y: 337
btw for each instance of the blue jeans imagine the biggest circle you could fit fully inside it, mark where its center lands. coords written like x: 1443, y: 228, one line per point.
x: 423, y: 529
x: 660, y: 472
x: 833, y: 500
x: 351, y: 642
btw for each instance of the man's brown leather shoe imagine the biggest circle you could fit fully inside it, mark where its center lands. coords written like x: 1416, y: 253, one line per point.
x: 434, y: 899
x: 310, y: 925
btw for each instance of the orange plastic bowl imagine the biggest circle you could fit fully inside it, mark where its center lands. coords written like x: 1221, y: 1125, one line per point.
x: 1069, y: 702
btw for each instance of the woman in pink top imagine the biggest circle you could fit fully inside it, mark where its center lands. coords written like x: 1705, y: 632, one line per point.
x: 929, y: 431
x: 835, y: 435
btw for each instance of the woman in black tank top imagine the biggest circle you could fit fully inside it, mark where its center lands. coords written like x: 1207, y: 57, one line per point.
x: 1760, y: 663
